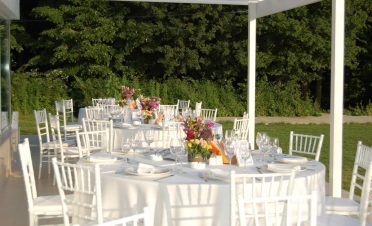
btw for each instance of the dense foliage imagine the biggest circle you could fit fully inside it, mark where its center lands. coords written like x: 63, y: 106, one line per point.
x: 89, y: 48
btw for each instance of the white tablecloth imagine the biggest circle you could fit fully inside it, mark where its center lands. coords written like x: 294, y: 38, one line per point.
x: 128, y: 132
x: 186, y: 198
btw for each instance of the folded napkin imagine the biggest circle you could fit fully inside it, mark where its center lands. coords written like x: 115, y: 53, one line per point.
x: 282, y: 168
x: 143, y: 168
x: 217, y: 174
x: 293, y: 159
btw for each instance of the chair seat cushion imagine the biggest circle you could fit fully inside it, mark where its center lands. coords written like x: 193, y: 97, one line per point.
x: 71, y: 150
x: 338, y: 220
x: 72, y: 127
x: 51, y: 144
x: 48, y: 205
x: 341, y: 206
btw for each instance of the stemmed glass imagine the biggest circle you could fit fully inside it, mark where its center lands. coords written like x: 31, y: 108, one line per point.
x: 149, y: 137
x: 244, y: 151
x: 229, y: 148
x: 173, y: 147
x: 126, y: 146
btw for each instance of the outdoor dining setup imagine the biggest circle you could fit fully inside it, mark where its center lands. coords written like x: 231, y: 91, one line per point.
x: 139, y: 161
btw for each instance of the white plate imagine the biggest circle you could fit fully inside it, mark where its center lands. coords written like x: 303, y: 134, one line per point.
x: 292, y: 159
x: 158, y: 172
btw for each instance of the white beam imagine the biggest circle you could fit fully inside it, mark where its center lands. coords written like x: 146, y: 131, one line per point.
x: 337, y: 94
x: 210, y: 2
x: 251, y: 80
x: 269, y: 7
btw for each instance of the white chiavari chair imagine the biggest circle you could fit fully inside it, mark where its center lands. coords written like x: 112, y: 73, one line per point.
x: 360, y: 182
x: 46, y: 146
x: 183, y: 104
x: 63, y: 152
x: 258, y: 185
x: 133, y: 220
x: 99, y: 102
x: 279, y: 210
x: 171, y: 110
x: 39, y: 207
x: 66, y: 108
x: 84, y: 181
x: 93, y: 141
x: 198, y: 106
x: 94, y: 113
x: 305, y: 144
x: 349, y: 208
x: 241, y: 128
x: 209, y: 114
x: 99, y: 125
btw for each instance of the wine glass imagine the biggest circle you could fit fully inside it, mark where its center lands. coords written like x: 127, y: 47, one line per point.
x: 259, y: 140
x: 229, y: 149
x: 173, y: 147
x: 244, y: 151
x: 126, y: 145
x: 149, y: 137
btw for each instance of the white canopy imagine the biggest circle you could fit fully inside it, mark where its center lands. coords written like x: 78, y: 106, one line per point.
x: 9, y: 9
x: 261, y: 8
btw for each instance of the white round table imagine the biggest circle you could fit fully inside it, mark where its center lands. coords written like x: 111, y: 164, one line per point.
x: 186, y: 198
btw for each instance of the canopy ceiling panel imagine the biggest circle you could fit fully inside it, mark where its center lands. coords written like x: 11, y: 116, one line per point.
x: 9, y: 9
x: 264, y: 7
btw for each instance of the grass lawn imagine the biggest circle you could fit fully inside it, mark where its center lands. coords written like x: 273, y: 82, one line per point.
x: 352, y: 134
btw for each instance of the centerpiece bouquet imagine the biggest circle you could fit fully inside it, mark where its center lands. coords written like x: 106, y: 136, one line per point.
x: 149, y: 105
x: 127, y: 94
x: 198, y: 138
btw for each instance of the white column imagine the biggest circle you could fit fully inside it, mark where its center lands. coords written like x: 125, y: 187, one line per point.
x: 251, y: 80
x: 337, y: 96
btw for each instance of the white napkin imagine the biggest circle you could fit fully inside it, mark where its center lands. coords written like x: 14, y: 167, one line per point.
x: 294, y: 159
x: 143, y: 168
x: 217, y: 174
x: 282, y: 168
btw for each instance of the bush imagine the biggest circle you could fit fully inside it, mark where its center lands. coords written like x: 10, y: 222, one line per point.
x: 34, y: 91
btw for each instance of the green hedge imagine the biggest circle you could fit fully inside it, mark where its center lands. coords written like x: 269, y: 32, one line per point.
x: 35, y: 90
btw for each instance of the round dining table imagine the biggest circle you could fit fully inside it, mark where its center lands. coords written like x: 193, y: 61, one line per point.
x: 184, y: 195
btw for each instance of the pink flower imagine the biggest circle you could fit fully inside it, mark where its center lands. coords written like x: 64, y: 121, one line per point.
x: 210, y: 124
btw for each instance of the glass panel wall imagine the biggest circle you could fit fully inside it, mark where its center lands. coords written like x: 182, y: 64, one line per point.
x: 5, y: 74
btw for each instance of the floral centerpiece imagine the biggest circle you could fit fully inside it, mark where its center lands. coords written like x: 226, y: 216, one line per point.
x: 149, y: 105
x: 127, y: 94
x: 198, y: 138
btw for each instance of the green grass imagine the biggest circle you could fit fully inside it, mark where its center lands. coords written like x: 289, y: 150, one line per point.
x: 351, y: 135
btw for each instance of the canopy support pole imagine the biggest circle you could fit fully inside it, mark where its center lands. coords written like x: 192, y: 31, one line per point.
x: 337, y: 96
x: 251, y: 80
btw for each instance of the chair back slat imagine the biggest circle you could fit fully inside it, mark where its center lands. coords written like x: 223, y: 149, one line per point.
x: 278, y: 210
x: 209, y: 114
x: 90, y: 125
x: 241, y: 128
x: 251, y: 186
x: 84, y: 181
x: 305, y: 144
x: 94, y: 113
x: 42, y: 127
x: 90, y: 141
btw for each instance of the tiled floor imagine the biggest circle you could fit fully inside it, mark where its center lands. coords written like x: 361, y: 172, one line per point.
x: 13, y: 202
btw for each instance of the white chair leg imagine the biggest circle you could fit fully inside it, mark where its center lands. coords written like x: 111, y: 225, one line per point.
x: 31, y: 219
x: 40, y: 164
